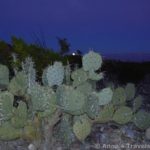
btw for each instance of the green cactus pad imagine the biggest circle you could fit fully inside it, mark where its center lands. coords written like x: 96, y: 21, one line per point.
x: 105, y: 96
x: 91, y: 61
x: 106, y: 114
x: 4, y: 75
x: 70, y: 100
x: 28, y: 68
x: 30, y: 133
x: 85, y: 88
x: 44, y: 77
x: 142, y: 119
x: 79, y: 76
x: 6, y: 105
x: 93, y: 83
x: 95, y: 76
x: 137, y: 102
x: 92, y: 107
x: 7, y: 132
x: 19, y: 118
x: 130, y: 91
x: 68, y: 74
x: 82, y: 128
x: 18, y: 85
x: 123, y: 115
x: 43, y: 100
x: 54, y: 74
x: 119, y: 97
x: 65, y: 132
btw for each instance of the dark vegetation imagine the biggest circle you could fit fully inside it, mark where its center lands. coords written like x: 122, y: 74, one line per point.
x: 124, y: 72
x: 115, y: 71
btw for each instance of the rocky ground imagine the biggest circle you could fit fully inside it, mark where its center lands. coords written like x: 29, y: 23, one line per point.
x: 14, y: 145
x: 104, y: 136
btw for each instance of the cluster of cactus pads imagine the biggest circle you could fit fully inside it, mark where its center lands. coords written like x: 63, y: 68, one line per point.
x: 71, y: 92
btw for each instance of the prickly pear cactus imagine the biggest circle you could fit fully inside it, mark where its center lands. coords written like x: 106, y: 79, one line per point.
x: 18, y: 85
x: 70, y: 100
x: 65, y: 132
x: 123, y: 115
x: 29, y: 70
x: 54, y: 74
x: 8, y: 132
x: 92, y: 107
x: 20, y: 115
x: 68, y: 74
x: 30, y: 133
x: 137, y: 102
x: 79, y: 76
x: 6, y: 105
x: 44, y: 77
x: 119, y: 97
x: 70, y: 106
x: 142, y: 119
x: 130, y: 91
x: 82, y: 127
x: 4, y: 75
x: 105, y: 114
x: 93, y: 84
x: 43, y: 100
x: 95, y: 76
x: 85, y: 88
x: 32, y: 129
x: 105, y: 96
x: 91, y: 61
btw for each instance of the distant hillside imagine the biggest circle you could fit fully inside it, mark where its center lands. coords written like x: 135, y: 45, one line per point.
x: 132, y: 57
x: 125, y: 71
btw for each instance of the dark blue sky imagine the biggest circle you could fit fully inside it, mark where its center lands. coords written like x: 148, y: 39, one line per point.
x: 108, y: 26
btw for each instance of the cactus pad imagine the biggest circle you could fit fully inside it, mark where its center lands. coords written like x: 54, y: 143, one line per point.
x: 95, y: 76
x: 137, y: 103
x: 65, y: 132
x: 29, y: 70
x: 119, y: 97
x: 91, y: 61
x: 130, y: 91
x: 142, y: 119
x: 44, y: 77
x: 92, y: 107
x: 19, y: 117
x: 106, y: 114
x: 7, y: 132
x: 71, y: 100
x: 68, y: 74
x: 4, y: 75
x: 105, y: 96
x: 54, y: 74
x: 123, y: 115
x: 43, y: 99
x: 6, y: 105
x: 85, y: 88
x: 79, y: 76
x: 18, y: 85
x: 82, y: 128
x: 30, y: 133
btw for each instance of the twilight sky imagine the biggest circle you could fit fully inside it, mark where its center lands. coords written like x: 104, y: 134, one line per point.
x: 107, y: 26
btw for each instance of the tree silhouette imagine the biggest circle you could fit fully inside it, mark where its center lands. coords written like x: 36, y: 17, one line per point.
x: 78, y: 52
x: 64, y: 45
